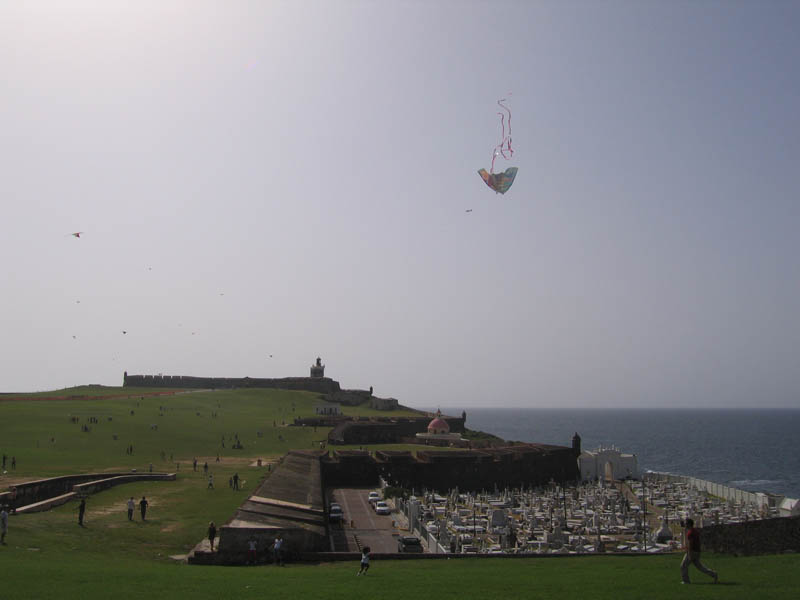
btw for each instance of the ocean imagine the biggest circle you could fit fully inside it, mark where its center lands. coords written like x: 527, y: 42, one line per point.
x: 753, y: 450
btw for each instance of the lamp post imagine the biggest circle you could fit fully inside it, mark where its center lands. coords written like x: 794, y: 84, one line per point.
x: 644, y: 518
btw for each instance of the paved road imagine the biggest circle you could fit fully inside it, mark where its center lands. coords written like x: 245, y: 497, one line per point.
x: 369, y: 529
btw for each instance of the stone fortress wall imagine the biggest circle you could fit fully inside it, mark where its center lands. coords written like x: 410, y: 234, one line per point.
x: 322, y: 385
x: 522, y: 466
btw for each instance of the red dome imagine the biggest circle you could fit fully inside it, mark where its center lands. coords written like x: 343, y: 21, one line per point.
x: 438, y: 425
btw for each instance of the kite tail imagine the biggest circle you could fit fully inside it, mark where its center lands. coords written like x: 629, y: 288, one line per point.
x: 504, y: 148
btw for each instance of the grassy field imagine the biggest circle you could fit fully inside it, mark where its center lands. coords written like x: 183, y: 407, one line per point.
x: 75, y: 571
x: 49, y: 556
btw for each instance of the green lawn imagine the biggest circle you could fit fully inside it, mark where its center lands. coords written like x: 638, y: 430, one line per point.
x: 48, y: 555
x: 76, y: 570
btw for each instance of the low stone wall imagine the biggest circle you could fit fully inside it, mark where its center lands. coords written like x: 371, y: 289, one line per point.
x: 766, y: 536
x: 716, y: 489
x: 32, y: 492
x: 46, y: 504
x: 93, y: 487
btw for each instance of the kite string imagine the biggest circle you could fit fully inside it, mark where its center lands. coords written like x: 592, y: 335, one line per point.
x: 504, y: 148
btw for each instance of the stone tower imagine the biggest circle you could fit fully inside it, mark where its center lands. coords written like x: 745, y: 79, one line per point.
x: 318, y: 370
x: 576, y: 444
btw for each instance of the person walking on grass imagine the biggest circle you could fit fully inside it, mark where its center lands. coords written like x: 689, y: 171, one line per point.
x: 252, y: 547
x: 212, y: 533
x: 143, y: 506
x: 131, y: 508
x: 364, y: 561
x: 693, y: 554
x: 277, y: 550
x: 3, y: 524
x: 81, y: 511
x: 210, y: 482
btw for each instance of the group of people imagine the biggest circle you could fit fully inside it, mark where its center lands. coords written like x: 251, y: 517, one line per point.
x: 278, y: 546
x: 143, y: 504
x: 131, y: 504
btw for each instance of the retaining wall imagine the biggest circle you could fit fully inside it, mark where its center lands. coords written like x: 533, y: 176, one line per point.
x: 765, y: 536
x: 34, y: 492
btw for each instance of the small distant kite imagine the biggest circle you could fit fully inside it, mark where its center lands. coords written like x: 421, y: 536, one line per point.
x: 124, y: 332
x: 469, y: 209
x: 77, y: 234
x: 501, y: 182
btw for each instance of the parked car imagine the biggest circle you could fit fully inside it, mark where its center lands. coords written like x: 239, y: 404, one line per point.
x: 409, y: 544
x: 335, y: 513
x: 382, y: 508
x: 373, y: 497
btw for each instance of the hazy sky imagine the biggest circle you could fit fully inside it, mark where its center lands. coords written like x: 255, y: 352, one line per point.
x: 313, y: 161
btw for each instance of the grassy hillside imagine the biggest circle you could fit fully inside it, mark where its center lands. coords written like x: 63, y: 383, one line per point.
x: 186, y: 427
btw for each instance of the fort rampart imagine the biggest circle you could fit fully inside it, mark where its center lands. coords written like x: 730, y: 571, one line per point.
x: 322, y: 385
x: 441, y: 470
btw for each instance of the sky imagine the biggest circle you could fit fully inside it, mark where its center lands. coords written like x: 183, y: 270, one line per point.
x: 261, y: 183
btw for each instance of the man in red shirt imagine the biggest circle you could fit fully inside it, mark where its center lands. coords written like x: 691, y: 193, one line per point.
x: 693, y: 554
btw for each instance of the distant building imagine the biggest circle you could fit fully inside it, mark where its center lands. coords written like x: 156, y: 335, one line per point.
x: 318, y: 370
x: 789, y: 507
x: 327, y: 408
x: 439, y: 432
x: 607, y: 464
x: 383, y: 403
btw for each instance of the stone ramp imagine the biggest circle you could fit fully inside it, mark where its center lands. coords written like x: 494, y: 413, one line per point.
x: 289, y: 503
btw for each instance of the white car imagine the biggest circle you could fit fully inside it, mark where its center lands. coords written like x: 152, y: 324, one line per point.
x: 382, y: 508
x: 373, y: 497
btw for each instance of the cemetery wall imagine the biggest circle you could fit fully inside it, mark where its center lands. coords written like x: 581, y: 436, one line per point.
x: 766, y: 536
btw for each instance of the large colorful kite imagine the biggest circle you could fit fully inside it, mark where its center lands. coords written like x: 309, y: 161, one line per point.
x: 501, y: 182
